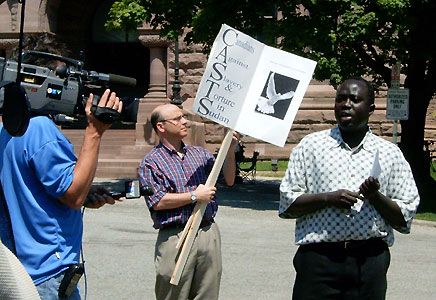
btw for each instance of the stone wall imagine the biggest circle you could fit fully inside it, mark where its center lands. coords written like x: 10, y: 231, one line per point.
x: 192, y: 62
x: 72, y: 20
x: 430, y: 128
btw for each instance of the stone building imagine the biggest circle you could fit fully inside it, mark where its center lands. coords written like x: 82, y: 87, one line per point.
x: 150, y: 59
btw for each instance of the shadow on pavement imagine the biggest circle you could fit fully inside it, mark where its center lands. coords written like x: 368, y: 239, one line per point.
x: 262, y: 195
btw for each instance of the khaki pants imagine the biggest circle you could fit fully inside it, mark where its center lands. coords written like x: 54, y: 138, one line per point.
x: 202, y: 273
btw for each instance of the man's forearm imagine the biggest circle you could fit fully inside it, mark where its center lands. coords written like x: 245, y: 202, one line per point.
x: 173, y: 200
x: 388, y: 209
x: 84, y: 171
x: 307, y: 203
x: 229, y: 168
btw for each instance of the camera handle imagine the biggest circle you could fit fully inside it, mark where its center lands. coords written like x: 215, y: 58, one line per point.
x: 105, y: 114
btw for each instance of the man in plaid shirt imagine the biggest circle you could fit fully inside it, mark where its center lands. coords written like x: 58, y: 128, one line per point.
x: 177, y: 172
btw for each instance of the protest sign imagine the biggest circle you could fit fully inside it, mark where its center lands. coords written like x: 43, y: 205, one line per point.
x: 249, y: 87
x: 252, y: 88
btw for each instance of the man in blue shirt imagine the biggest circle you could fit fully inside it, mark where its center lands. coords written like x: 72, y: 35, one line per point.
x: 45, y: 186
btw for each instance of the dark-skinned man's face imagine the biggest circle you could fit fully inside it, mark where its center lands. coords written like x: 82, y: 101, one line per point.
x: 353, y: 106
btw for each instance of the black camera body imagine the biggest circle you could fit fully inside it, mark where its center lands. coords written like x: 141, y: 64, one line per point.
x: 63, y: 92
x: 133, y: 190
x: 70, y: 280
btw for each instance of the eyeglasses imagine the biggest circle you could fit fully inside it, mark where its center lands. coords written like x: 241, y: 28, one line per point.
x: 176, y: 119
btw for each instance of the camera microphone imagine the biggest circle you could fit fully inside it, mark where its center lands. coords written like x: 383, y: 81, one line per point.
x: 62, y: 119
x: 121, y: 80
x: 111, y: 79
x: 15, y: 108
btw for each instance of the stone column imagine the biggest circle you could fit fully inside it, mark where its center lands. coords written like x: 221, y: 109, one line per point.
x: 158, y: 74
x: 157, y: 93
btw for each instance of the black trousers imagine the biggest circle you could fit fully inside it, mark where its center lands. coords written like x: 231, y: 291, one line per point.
x: 342, y: 271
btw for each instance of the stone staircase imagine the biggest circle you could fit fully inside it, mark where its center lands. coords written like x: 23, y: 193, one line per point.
x: 119, y: 157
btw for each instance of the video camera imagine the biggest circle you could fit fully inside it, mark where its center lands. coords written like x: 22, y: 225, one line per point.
x: 133, y: 189
x: 63, y: 93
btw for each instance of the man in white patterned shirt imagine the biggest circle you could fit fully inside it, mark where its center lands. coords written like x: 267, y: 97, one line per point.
x: 345, y: 217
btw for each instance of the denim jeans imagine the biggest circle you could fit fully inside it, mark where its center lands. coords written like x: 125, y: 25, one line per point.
x: 48, y: 290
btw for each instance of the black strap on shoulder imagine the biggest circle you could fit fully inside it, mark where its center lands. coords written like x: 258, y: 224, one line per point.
x: 6, y: 234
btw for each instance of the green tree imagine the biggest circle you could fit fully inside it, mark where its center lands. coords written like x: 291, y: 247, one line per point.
x: 346, y: 38
x: 355, y: 38
x: 125, y: 15
x: 202, y: 19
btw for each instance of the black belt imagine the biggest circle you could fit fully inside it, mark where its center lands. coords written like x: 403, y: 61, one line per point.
x: 204, y: 223
x: 345, y: 245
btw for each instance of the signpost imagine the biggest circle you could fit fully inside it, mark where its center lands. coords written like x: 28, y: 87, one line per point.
x: 395, y: 76
x: 397, y: 106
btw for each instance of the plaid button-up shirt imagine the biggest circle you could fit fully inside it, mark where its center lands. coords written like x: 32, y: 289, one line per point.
x: 167, y: 172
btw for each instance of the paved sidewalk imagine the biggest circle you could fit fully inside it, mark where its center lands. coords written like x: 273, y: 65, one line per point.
x: 257, y: 249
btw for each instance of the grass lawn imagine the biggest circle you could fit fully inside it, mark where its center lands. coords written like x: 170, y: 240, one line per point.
x: 263, y: 168
x: 428, y: 212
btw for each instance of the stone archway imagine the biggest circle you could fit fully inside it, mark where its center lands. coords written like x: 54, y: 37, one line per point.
x: 107, y: 52
x: 76, y: 23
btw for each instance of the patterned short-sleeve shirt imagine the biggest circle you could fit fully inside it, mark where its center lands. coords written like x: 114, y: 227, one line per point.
x: 322, y: 162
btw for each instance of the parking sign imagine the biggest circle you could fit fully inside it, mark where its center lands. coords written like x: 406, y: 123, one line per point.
x: 397, y: 107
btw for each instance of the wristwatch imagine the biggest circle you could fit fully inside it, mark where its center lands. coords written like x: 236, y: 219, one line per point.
x: 193, y: 197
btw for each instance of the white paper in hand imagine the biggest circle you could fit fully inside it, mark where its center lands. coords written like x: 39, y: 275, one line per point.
x: 375, y: 173
x: 376, y: 168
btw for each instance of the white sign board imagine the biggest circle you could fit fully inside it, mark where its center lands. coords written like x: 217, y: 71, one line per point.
x: 252, y: 88
x: 397, y: 106
x: 395, y: 76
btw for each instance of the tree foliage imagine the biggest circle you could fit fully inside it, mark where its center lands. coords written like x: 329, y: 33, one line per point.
x: 125, y: 15
x: 202, y: 19
x: 346, y: 37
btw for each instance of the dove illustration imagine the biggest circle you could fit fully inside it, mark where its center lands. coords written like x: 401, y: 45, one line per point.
x: 266, y: 105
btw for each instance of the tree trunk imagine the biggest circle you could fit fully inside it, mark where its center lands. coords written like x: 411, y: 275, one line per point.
x: 412, y: 146
x: 421, y: 80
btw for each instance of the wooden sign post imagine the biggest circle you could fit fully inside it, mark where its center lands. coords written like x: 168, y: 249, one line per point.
x: 193, y: 224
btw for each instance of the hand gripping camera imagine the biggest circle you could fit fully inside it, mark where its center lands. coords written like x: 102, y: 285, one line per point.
x: 63, y: 92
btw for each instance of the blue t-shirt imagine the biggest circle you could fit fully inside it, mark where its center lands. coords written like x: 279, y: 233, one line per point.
x: 35, y: 170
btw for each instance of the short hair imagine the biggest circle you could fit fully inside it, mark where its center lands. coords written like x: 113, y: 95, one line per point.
x: 155, y: 117
x: 43, y: 42
x: 369, y: 86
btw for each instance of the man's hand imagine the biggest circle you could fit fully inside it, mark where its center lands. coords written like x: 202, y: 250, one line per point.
x: 99, y: 196
x: 204, y: 193
x: 109, y: 100
x: 343, y: 198
x: 309, y: 203
x: 369, y: 188
x: 235, y: 142
x: 387, y: 208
